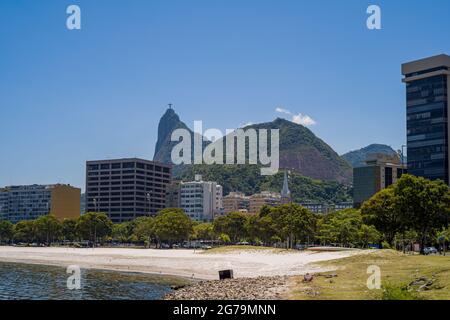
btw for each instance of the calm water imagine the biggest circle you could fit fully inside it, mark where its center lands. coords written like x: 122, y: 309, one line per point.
x: 22, y: 281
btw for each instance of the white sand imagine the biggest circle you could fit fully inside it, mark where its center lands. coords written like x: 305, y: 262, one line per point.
x: 185, y: 263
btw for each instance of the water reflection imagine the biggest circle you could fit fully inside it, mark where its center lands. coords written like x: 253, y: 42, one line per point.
x: 22, y: 281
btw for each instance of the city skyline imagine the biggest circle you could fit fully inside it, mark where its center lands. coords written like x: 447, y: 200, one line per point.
x: 98, y: 93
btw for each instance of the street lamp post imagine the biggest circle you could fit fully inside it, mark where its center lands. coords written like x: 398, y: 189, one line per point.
x: 148, y: 199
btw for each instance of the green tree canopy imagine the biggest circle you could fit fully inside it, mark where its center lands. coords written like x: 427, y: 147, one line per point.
x: 69, y: 231
x: 204, y: 231
x: 423, y: 204
x: 341, y: 227
x: 294, y: 222
x: 368, y: 234
x: 381, y: 212
x: 47, y: 228
x: 6, y: 231
x: 172, y: 225
x: 24, y: 231
x: 94, y: 226
x: 232, y: 224
x: 144, y: 229
x: 122, y: 232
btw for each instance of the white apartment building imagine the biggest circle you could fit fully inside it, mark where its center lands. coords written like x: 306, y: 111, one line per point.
x: 201, y: 200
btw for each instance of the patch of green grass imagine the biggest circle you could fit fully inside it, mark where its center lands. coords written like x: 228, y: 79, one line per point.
x: 397, y: 269
x: 398, y: 292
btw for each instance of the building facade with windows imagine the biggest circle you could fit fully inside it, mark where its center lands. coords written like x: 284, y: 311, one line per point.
x: 427, y: 107
x: 258, y: 200
x: 126, y: 189
x: 380, y: 172
x: 29, y: 202
x: 324, y: 208
x: 236, y: 202
x: 173, y: 194
x: 201, y: 200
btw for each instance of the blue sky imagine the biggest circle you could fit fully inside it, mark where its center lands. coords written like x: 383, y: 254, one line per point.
x: 71, y: 96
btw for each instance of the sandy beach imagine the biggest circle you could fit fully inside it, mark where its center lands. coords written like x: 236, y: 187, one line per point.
x: 184, y: 263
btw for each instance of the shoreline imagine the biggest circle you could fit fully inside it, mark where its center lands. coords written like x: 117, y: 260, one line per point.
x: 181, y: 263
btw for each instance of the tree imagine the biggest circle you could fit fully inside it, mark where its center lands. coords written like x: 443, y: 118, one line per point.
x: 341, y: 227
x: 224, y: 238
x: 93, y: 226
x: 232, y: 224
x: 6, y: 231
x: 381, y: 212
x: 47, y: 228
x: 265, y: 210
x: 69, y: 231
x: 423, y: 204
x: 293, y: 223
x: 144, y: 230
x: 24, y: 231
x: 172, y: 225
x: 252, y: 226
x: 443, y: 237
x: 123, y: 232
x: 204, y: 231
x: 368, y: 234
x: 267, y: 230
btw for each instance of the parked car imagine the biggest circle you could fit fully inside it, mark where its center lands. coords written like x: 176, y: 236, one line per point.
x: 430, y: 250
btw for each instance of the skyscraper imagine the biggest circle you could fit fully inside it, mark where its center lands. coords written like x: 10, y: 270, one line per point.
x: 427, y: 88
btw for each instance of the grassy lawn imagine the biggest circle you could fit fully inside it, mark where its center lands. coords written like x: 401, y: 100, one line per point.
x: 235, y: 249
x: 397, y: 270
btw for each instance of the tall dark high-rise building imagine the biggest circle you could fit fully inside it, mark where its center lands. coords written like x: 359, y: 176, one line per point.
x: 427, y: 87
x: 126, y: 189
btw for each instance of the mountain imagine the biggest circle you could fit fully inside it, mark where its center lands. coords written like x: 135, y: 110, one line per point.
x: 300, y: 150
x: 303, y: 152
x: 357, y: 157
x: 169, y: 122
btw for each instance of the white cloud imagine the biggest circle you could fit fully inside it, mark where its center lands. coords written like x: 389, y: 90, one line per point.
x: 302, y: 119
x: 281, y: 110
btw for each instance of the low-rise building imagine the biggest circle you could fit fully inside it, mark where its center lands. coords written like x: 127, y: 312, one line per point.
x: 380, y: 172
x: 236, y: 202
x: 29, y: 202
x: 324, y: 208
x: 257, y: 201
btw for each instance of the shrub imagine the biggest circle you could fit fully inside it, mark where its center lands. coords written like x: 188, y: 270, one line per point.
x: 398, y: 292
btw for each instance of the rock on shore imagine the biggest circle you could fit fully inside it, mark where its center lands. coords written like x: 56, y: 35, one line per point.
x: 261, y: 288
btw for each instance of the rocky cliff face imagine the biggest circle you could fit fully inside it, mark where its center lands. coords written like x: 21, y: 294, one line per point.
x: 169, y: 122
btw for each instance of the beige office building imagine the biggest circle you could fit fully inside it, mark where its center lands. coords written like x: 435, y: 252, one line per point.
x: 236, y: 202
x: 257, y: 201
